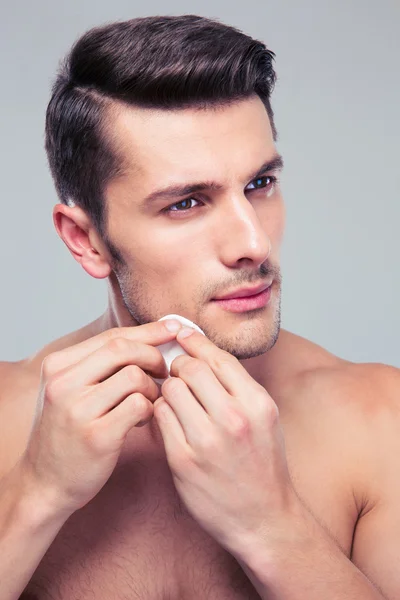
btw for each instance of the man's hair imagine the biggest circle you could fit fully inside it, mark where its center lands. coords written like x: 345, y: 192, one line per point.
x: 160, y: 62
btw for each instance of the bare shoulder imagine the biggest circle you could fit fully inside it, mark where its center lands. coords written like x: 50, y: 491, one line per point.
x: 320, y: 379
x: 15, y: 378
x: 21, y: 379
x: 340, y: 413
x: 349, y: 416
x: 370, y: 391
x: 18, y: 395
x: 357, y: 408
x: 19, y: 389
x: 352, y: 410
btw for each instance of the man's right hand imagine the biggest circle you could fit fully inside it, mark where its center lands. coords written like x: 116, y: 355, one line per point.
x: 91, y: 395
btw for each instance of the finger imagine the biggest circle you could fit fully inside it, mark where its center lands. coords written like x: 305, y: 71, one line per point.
x: 131, y: 412
x: 191, y: 416
x: 109, y: 359
x: 175, y: 442
x: 105, y: 396
x: 153, y: 334
x: 228, y: 370
x: 204, y: 385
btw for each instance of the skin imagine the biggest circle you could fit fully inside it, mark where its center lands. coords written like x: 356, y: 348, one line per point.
x: 229, y: 238
x: 199, y: 258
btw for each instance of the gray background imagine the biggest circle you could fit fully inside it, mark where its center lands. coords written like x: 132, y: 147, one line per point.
x: 337, y: 111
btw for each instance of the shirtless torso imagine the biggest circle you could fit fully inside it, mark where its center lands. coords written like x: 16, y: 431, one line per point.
x: 136, y: 540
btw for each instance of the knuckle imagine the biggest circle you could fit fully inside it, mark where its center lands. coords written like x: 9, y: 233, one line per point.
x: 74, y: 414
x: 49, y: 364
x: 222, y: 360
x: 53, y: 388
x: 139, y: 403
x: 265, y: 407
x: 194, y: 367
x: 171, y: 385
x: 112, y: 333
x: 118, y: 345
x: 134, y: 374
x: 208, y: 445
x: 237, y: 424
x: 273, y: 413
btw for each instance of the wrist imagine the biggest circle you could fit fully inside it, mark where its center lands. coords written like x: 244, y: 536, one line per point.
x: 35, y: 504
x: 275, y: 537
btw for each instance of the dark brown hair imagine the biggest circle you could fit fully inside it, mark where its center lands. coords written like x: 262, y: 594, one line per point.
x: 163, y: 62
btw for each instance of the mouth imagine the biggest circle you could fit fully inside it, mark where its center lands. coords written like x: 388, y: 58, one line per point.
x: 245, y: 303
x: 245, y: 292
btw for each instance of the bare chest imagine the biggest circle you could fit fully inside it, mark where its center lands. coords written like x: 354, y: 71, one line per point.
x: 136, y: 539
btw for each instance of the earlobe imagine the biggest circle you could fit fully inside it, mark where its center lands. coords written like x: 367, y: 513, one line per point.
x: 94, y: 264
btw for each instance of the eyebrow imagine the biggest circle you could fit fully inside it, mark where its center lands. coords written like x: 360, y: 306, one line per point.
x: 173, y: 191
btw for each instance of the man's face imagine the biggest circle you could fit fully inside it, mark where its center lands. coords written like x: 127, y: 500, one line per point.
x: 181, y: 251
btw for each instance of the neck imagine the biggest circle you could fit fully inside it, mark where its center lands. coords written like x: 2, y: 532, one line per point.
x: 116, y: 314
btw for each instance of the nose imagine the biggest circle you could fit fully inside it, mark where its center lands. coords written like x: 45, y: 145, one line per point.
x: 242, y: 236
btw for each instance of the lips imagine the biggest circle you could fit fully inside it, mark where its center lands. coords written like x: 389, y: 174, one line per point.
x: 245, y: 292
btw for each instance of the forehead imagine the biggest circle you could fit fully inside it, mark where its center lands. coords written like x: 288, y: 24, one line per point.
x: 188, y: 142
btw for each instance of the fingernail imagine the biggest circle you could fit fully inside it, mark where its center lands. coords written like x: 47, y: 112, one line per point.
x: 185, y: 332
x: 172, y: 325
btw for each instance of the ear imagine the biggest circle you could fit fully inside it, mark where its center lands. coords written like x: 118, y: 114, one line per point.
x: 78, y: 234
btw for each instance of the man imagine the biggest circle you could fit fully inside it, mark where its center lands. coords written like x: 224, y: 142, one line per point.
x: 264, y: 467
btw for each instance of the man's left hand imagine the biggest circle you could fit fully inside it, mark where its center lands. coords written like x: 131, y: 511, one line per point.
x: 225, y: 446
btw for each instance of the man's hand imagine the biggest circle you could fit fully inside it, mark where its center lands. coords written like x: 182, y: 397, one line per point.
x: 224, y: 445
x: 91, y: 395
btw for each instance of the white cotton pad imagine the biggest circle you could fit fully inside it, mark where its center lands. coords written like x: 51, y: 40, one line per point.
x: 171, y: 350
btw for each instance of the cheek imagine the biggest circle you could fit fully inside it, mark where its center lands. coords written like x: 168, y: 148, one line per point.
x: 281, y: 222
x: 274, y: 222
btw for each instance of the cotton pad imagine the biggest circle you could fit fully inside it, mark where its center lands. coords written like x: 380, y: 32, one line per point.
x: 171, y: 350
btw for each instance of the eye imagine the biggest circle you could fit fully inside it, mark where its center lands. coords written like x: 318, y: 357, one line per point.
x: 185, y: 201
x: 259, y: 183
